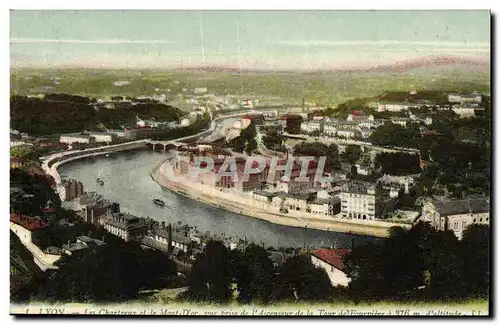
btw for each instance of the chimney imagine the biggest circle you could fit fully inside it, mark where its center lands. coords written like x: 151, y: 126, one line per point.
x: 169, y: 229
x: 90, y: 233
x: 103, y: 237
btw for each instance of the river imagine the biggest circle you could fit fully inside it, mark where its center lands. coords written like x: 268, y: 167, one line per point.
x: 127, y: 181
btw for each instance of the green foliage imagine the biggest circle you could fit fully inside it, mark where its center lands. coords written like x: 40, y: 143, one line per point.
x: 421, y: 263
x: 36, y: 185
x: 351, y: 154
x: 23, y: 152
x: 398, y: 163
x: 211, y: 275
x: 300, y: 280
x: 395, y: 135
x: 74, y: 114
x: 318, y: 149
x: 246, y: 140
x: 115, y: 272
x: 255, y: 275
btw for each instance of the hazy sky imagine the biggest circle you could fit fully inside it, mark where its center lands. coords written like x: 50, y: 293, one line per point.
x: 250, y: 39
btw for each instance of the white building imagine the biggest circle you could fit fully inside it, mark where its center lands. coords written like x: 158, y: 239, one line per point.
x: 465, y: 98
x: 348, y: 133
x: 365, y: 132
x: 403, y: 121
x: 364, y: 170
x: 125, y: 226
x: 76, y: 138
x: 456, y: 215
x: 396, y: 107
x: 103, y: 137
x: 330, y: 129
x: 311, y: 126
x: 359, y: 201
x: 464, y: 111
x: 324, y: 207
x: 331, y: 260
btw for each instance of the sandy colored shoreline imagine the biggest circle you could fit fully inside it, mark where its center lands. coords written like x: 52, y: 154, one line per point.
x: 375, y: 229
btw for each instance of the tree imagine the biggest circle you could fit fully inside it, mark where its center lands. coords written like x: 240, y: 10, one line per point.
x: 318, y: 149
x: 211, y: 275
x: 254, y: 275
x: 300, y: 280
x: 475, y: 253
x: 398, y: 163
x: 114, y: 272
x: 352, y: 154
x: 395, y: 135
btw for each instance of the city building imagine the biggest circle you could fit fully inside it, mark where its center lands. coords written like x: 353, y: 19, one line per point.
x: 465, y: 98
x: 359, y: 201
x: 403, y: 121
x: 70, y: 189
x: 396, y: 107
x: 365, y: 132
x: 125, y: 226
x: 93, y: 206
x: 312, y: 126
x: 291, y: 123
x: 322, y: 206
x: 82, y: 245
x: 407, y: 182
x: 330, y: 129
x: 456, y: 215
x: 263, y: 198
x: 363, y: 169
x: 33, y: 229
x: 331, y: 260
x: 466, y: 110
x: 77, y: 138
x: 104, y: 137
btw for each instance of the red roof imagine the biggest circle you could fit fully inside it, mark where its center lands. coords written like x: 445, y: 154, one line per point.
x: 49, y: 210
x: 333, y: 257
x: 357, y: 112
x: 27, y: 222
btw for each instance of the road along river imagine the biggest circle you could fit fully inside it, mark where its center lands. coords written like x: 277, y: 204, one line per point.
x: 127, y: 181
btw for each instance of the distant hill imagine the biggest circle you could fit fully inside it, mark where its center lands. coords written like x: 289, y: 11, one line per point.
x: 325, y: 87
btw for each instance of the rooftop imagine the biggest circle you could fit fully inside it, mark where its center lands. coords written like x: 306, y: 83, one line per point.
x: 265, y: 193
x: 463, y: 206
x: 30, y: 223
x: 359, y: 187
x: 334, y: 257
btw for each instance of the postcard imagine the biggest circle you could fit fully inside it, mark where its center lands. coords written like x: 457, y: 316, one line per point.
x: 250, y: 163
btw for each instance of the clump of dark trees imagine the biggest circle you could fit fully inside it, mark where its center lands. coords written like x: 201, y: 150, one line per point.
x: 256, y: 278
x: 318, y: 149
x: 421, y: 264
x: 117, y: 271
x: 245, y: 141
x: 413, y: 265
x: 60, y: 113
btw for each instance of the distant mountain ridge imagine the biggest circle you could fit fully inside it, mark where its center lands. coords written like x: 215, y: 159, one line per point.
x: 428, y: 62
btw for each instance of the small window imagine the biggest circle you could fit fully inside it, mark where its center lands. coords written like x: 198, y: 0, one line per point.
x: 487, y: 219
x: 474, y: 220
x: 481, y: 220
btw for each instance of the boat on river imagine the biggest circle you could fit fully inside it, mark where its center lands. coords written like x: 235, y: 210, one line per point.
x: 158, y: 202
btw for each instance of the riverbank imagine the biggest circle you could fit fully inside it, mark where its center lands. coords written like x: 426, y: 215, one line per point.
x: 241, y: 204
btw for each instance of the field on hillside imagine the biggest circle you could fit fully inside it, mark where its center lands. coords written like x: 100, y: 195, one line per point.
x: 325, y: 88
